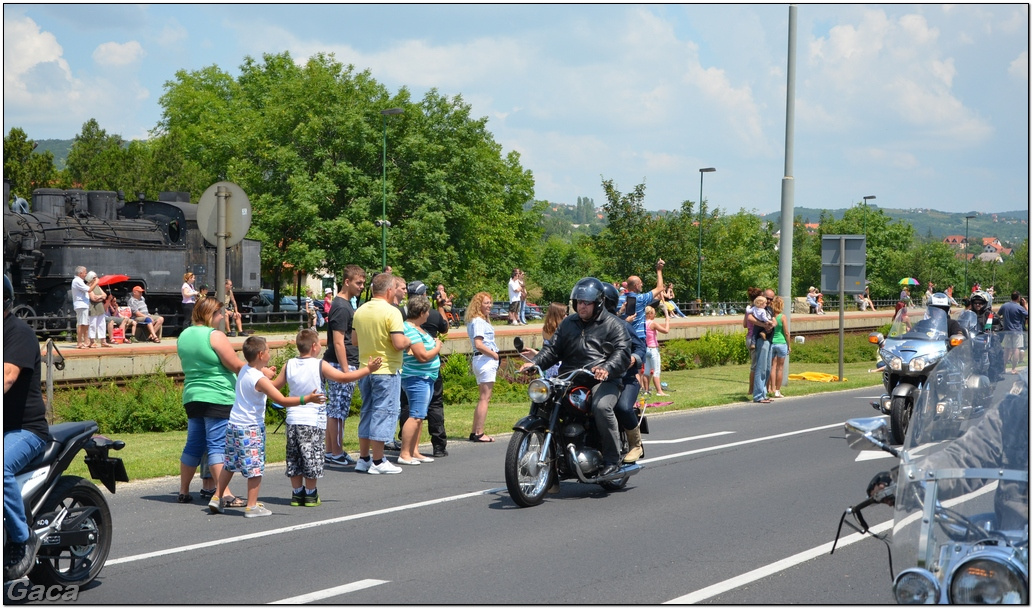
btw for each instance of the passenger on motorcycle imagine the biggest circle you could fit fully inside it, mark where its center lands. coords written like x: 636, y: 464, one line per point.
x: 980, y: 304
x: 625, y: 409
x: 26, y: 433
x: 596, y: 340
x: 940, y: 301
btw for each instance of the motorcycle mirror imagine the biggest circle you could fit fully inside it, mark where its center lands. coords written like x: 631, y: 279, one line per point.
x: 518, y: 343
x: 869, y: 432
x: 875, y: 338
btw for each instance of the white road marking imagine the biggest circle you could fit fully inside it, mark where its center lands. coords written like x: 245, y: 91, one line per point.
x: 319, y: 595
x: 299, y: 527
x: 740, y: 443
x: 873, y: 455
x: 690, y: 438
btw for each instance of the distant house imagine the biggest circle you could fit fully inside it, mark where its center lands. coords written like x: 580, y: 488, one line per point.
x: 991, y: 257
x: 991, y: 242
x: 957, y: 241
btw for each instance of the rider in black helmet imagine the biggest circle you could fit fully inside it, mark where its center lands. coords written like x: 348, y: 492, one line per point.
x: 26, y: 432
x: 596, y: 340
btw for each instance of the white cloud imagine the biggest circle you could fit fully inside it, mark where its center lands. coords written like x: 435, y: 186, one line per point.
x: 1019, y: 67
x: 27, y: 49
x: 118, y: 55
x: 172, y: 35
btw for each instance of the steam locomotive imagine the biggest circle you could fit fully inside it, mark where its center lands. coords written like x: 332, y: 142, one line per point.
x: 153, y: 242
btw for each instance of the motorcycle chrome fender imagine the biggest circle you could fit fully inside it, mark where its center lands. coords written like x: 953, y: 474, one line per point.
x: 904, y: 390
x: 530, y: 423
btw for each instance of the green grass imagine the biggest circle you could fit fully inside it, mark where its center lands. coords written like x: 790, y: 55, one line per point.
x: 156, y: 454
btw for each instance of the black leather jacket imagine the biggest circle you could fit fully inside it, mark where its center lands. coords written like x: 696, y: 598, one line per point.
x: 579, y: 344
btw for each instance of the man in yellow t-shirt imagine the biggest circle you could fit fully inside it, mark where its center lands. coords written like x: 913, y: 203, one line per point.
x: 379, y: 332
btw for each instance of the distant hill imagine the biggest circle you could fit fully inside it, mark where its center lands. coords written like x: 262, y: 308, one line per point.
x: 58, y: 148
x: 1011, y: 227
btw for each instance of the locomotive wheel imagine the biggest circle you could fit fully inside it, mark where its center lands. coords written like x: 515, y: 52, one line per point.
x: 900, y: 418
x: 75, y: 565
x: 525, y: 479
x: 23, y: 312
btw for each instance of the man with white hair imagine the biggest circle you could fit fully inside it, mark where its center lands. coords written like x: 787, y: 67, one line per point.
x: 81, y: 306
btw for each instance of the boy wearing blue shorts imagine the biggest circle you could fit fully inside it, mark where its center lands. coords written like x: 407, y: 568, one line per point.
x: 245, y: 432
x: 306, y: 424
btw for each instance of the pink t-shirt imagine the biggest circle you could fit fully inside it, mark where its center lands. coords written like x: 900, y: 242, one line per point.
x: 651, y: 335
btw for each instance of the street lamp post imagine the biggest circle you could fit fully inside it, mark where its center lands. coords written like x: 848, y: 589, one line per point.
x: 967, y: 218
x: 866, y: 218
x: 699, y: 251
x: 383, y: 214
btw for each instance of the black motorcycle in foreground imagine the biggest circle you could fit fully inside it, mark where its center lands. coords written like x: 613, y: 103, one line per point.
x: 960, y: 493
x: 557, y: 440
x: 69, y: 514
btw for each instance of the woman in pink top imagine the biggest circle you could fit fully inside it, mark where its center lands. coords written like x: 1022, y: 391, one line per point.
x: 652, y: 363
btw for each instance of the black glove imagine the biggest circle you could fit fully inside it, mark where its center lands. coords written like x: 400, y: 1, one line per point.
x: 882, y: 486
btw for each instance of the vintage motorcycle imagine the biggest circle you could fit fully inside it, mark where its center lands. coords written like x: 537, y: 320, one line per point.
x: 557, y: 440
x: 960, y: 493
x: 69, y: 514
x: 917, y: 340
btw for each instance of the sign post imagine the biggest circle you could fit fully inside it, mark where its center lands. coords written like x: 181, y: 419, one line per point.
x: 843, y: 271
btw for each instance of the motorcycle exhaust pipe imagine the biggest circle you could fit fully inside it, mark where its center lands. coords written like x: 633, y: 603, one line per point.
x: 626, y: 469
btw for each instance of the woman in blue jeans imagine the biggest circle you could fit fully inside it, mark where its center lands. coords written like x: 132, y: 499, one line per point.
x: 420, y: 368
x: 210, y: 367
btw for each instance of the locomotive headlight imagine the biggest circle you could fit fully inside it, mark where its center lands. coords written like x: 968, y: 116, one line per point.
x: 989, y: 580
x: 916, y: 587
x: 538, y: 390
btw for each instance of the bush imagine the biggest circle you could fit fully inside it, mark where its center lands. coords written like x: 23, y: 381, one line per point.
x: 711, y: 349
x: 825, y: 349
x: 460, y: 385
x: 150, y: 402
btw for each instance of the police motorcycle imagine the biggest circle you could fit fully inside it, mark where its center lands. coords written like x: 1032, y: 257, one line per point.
x: 917, y: 340
x: 69, y: 514
x: 960, y: 493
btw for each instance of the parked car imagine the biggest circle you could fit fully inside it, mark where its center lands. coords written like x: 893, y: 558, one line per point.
x: 263, y: 303
x: 499, y: 311
x: 533, y: 311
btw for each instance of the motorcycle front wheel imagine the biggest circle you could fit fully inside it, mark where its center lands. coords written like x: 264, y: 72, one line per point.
x: 900, y: 418
x: 526, y: 480
x: 75, y: 565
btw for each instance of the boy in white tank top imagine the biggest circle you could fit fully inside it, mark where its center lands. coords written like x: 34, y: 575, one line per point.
x: 306, y: 424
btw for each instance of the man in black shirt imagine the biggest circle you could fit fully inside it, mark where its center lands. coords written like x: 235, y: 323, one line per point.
x: 341, y: 353
x: 26, y: 432
x: 436, y: 326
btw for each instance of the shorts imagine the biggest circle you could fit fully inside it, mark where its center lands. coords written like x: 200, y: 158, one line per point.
x: 484, y: 368
x: 418, y: 390
x: 1014, y: 340
x: 82, y: 317
x: 339, y: 395
x: 381, y: 403
x: 205, y: 435
x: 305, y: 456
x: 652, y: 363
x: 781, y: 350
x: 514, y: 306
x: 245, y: 450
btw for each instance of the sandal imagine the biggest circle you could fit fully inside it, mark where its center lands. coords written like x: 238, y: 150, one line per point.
x: 154, y: 339
x: 479, y: 437
x: 184, y: 498
x: 236, y: 502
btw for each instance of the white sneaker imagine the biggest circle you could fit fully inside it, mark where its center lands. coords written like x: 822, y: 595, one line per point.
x: 385, y: 467
x: 778, y: 394
x: 255, y: 512
x: 363, y: 465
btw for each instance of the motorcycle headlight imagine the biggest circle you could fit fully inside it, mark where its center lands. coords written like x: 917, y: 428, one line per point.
x: 895, y: 363
x: 916, y: 587
x: 921, y: 363
x: 988, y: 580
x: 538, y: 390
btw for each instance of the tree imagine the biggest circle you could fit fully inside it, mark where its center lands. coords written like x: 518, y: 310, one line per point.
x: 96, y: 160
x: 25, y: 169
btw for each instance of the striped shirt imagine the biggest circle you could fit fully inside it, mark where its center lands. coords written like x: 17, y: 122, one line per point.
x: 414, y: 367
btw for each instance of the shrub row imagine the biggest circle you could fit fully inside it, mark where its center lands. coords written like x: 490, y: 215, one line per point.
x: 719, y: 349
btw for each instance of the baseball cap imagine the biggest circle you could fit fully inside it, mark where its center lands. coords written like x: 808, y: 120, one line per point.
x: 138, y: 288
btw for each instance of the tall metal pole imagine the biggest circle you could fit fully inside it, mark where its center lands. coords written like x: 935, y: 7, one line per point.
x: 785, y: 242
x: 968, y: 288
x: 383, y: 213
x: 699, y: 250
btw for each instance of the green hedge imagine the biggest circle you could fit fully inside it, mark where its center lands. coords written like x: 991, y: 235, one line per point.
x: 718, y: 349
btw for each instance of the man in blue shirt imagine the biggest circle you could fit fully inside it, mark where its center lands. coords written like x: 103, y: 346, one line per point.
x: 637, y: 318
x: 1014, y: 316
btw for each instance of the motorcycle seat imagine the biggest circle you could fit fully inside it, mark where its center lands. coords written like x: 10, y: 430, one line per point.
x: 60, y: 435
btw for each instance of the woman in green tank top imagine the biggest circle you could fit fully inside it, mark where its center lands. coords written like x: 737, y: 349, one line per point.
x: 779, y: 347
x: 210, y: 367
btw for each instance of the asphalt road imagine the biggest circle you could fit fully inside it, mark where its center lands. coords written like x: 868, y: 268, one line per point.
x: 735, y: 504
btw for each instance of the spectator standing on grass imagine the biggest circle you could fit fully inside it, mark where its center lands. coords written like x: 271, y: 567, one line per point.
x: 380, y: 333
x: 81, y: 306
x: 637, y: 318
x: 485, y: 360
x: 762, y: 331
x: 342, y: 354
x: 306, y: 422
x: 245, y: 433
x: 420, y: 371
x: 652, y: 363
x: 747, y: 322
x: 514, y: 297
x: 1014, y: 316
x: 780, y: 347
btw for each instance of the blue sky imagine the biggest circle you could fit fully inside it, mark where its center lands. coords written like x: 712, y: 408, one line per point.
x: 923, y: 106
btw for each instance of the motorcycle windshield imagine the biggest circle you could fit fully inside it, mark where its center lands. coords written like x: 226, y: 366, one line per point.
x: 916, y: 323
x: 963, y: 482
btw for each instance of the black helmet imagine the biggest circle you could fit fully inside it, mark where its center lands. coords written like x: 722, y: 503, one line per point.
x: 610, y: 297
x: 416, y: 288
x: 8, y: 293
x: 589, y: 289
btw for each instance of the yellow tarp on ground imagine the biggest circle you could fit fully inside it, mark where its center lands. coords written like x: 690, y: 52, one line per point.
x: 820, y: 377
